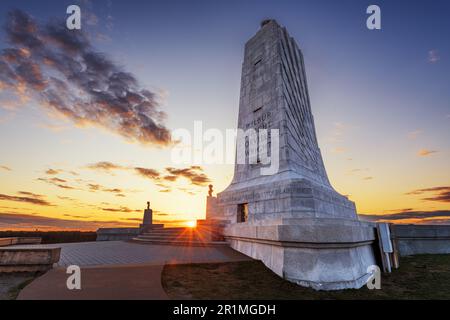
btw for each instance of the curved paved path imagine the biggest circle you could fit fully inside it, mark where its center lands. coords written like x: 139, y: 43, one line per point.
x: 118, y: 269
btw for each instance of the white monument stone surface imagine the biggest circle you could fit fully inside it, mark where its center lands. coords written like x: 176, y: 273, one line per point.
x: 294, y: 221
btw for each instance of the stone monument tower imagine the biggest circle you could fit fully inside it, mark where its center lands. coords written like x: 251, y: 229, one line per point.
x: 292, y: 220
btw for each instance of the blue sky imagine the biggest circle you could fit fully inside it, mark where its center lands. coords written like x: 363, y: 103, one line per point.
x: 378, y: 97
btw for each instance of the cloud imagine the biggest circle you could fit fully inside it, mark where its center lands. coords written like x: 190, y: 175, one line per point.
x: 97, y: 187
x: 439, y: 194
x: 425, y: 152
x: 194, y: 174
x: 5, y: 168
x: 170, y: 178
x: 414, y: 134
x: 338, y: 150
x: 440, y: 216
x: 433, y: 56
x: 368, y: 178
x: 104, y: 166
x: 30, y: 194
x: 67, y: 198
x: 18, y: 221
x: 147, y: 173
x: 120, y: 209
x: 75, y: 216
x: 338, y: 131
x: 26, y: 197
x: 52, y: 127
x: 57, y: 182
x: 75, y: 81
x: 53, y: 171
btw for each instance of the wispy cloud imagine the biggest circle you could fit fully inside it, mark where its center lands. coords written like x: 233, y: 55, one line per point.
x: 337, y: 134
x: 194, y: 174
x: 53, y: 171
x: 414, y: 134
x: 18, y: 221
x: 93, y: 187
x: 120, y: 209
x: 433, y: 56
x: 147, y: 173
x: 26, y: 197
x: 425, y: 152
x: 338, y: 150
x: 439, y: 194
x: 53, y: 127
x: 438, y: 217
x: 72, y: 79
x: 6, y: 168
x: 57, y: 182
x: 104, y: 166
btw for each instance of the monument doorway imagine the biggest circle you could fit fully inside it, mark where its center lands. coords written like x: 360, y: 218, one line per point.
x: 242, y: 212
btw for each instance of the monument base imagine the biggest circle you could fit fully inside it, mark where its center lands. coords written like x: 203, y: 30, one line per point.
x: 321, y: 253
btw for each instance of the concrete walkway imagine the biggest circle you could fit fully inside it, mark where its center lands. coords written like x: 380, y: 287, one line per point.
x: 121, y: 252
x: 118, y: 270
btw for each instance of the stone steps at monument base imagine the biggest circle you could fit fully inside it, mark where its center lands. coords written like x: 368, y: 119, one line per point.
x: 199, y: 236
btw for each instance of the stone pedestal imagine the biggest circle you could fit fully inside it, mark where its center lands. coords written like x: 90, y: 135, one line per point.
x: 322, y: 253
x: 147, y: 221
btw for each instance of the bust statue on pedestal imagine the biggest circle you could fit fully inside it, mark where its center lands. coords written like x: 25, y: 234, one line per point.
x: 147, y: 221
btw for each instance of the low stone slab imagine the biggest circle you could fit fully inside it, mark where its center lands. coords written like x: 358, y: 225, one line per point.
x: 19, y: 240
x: 421, y: 239
x: 28, y: 259
x: 114, y: 234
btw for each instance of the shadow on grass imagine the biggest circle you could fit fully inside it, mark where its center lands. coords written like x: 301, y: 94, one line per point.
x: 12, y: 283
x: 419, y: 277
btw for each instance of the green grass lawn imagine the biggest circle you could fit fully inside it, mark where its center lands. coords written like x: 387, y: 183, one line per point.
x: 12, y: 283
x: 419, y: 277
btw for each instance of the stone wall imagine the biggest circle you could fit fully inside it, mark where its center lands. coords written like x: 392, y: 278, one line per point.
x: 113, y: 234
x: 19, y: 240
x: 28, y: 259
x: 421, y: 239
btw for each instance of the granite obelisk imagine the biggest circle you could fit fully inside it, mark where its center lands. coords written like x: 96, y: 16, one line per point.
x: 293, y: 220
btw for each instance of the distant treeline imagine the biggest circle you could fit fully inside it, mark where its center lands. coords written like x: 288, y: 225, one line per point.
x: 53, y: 236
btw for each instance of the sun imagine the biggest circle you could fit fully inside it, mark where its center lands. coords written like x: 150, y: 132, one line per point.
x: 191, y: 224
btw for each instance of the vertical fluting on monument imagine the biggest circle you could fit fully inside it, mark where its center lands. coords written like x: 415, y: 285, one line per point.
x: 274, y: 95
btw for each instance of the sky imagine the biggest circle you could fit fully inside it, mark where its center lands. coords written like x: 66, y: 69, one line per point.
x: 380, y: 100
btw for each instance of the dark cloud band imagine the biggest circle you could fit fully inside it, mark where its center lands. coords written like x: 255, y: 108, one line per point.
x: 72, y: 79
